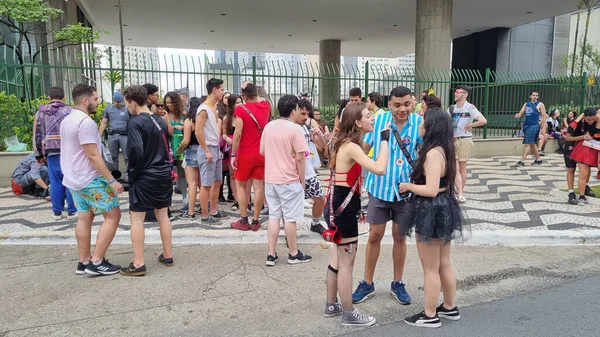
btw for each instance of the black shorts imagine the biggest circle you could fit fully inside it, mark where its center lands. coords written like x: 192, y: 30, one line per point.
x: 347, y: 221
x: 569, y: 163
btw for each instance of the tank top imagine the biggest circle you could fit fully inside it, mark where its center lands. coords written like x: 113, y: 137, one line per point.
x: 193, y: 139
x: 211, y: 132
x: 353, y: 175
x: 532, y: 114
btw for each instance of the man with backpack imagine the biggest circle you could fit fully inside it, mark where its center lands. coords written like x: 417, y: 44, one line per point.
x: 246, y: 160
x: 46, y: 135
x: 465, y: 117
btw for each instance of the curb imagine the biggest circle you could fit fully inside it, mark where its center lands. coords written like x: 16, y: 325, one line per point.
x: 215, y: 237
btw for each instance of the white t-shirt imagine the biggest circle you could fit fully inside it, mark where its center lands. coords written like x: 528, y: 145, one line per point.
x: 76, y: 130
x: 461, y: 117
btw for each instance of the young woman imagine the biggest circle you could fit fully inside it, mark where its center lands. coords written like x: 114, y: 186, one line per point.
x: 189, y: 144
x: 568, y: 120
x: 175, y: 109
x: 436, y: 217
x: 232, y: 103
x: 222, y: 108
x: 347, y: 162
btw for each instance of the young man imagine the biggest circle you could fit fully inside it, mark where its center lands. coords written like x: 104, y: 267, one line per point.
x: 531, y: 127
x: 284, y: 178
x: 579, y: 130
x: 355, y: 95
x: 313, y: 137
x: 93, y: 186
x: 465, y: 117
x: 117, y: 115
x: 46, y: 134
x: 375, y: 105
x: 385, y: 202
x: 246, y: 159
x: 210, y: 160
x: 151, y: 180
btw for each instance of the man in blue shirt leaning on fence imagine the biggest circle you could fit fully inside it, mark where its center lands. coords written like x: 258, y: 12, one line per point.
x: 385, y: 202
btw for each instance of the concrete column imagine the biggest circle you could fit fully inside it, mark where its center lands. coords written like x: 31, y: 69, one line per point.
x: 329, y: 71
x: 433, y: 34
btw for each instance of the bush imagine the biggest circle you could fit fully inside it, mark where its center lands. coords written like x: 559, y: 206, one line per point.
x: 16, y: 118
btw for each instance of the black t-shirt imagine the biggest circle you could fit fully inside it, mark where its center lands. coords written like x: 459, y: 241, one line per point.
x: 583, y: 128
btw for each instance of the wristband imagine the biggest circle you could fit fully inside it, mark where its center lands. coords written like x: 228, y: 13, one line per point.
x: 112, y: 181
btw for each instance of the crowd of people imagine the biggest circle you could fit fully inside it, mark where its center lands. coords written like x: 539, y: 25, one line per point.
x: 411, y: 159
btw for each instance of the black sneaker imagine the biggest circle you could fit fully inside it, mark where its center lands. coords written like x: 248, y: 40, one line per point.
x: 421, y: 320
x: 167, y: 262
x: 450, y: 314
x: 520, y: 164
x: 217, y: 214
x: 81, y: 268
x: 299, y: 258
x: 133, y: 271
x: 187, y: 216
x: 271, y: 260
x: 589, y: 192
x: 317, y: 228
x: 235, y: 207
x: 572, y: 198
x: 537, y: 162
x: 582, y: 200
x: 104, y: 268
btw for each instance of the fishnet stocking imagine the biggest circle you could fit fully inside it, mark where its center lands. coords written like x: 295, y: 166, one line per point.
x: 331, y: 285
x: 346, y: 256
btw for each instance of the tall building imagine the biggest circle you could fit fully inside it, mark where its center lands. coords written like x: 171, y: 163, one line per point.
x: 141, y: 66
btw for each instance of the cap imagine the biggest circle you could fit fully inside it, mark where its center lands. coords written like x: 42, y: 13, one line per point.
x: 117, y: 97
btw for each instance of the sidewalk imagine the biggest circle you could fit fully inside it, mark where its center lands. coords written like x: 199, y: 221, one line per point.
x: 506, y: 205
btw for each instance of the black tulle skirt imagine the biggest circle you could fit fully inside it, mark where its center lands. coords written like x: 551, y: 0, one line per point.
x: 437, y: 218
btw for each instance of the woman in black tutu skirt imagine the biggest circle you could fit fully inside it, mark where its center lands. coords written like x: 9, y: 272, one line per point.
x: 435, y: 217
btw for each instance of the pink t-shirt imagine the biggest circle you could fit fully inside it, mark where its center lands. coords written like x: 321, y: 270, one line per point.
x: 76, y: 130
x: 281, y: 140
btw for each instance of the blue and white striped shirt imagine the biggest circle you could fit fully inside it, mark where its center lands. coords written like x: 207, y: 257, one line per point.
x: 398, y: 170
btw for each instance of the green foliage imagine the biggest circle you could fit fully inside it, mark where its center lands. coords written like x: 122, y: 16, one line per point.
x: 28, y: 11
x: 591, y: 63
x: 78, y: 34
x: 16, y: 118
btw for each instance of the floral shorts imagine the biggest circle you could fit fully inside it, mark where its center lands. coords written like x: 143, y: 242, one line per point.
x: 97, y: 197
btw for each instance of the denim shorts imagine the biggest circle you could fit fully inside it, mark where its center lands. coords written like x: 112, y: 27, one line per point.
x: 191, y: 156
x: 97, y: 197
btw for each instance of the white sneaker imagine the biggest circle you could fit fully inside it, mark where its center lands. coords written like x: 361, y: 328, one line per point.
x: 462, y: 199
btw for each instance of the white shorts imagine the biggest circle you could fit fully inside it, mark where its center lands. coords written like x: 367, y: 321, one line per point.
x: 285, y: 201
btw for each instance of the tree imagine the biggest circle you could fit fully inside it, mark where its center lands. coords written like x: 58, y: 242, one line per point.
x: 26, y: 19
x: 579, y: 7
x: 590, y: 62
x: 590, y: 5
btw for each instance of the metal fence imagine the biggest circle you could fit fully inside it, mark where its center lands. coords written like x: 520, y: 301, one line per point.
x: 498, y: 95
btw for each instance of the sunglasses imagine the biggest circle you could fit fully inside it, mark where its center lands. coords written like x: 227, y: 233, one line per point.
x: 159, y: 105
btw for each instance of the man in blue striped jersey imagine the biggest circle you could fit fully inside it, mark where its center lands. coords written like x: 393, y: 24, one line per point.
x: 385, y: 202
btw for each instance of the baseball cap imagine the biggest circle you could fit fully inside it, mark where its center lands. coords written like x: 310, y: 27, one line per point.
x: 118, y: 97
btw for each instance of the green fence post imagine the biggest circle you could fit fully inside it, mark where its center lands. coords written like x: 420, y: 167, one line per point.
x: 254, y: 70
x: 366, y: 78
x: 111, y: 71
x: 583, y: 85
x: 486, y: 100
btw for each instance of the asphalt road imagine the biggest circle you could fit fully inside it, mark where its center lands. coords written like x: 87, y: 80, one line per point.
x: 571, y: 309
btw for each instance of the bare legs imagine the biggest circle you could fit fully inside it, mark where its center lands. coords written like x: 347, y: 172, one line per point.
x: 138, y: 235
x: 437, y: 269
x: 83, y: 233
x: 374, y: 247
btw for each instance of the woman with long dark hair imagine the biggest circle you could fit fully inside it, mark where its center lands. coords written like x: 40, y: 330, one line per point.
x: 347, y: 161
x: 176, y: 110
x: 436, y: 217
x: 233, y: 101
x: 222, y: 108
x: 189, y: 144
